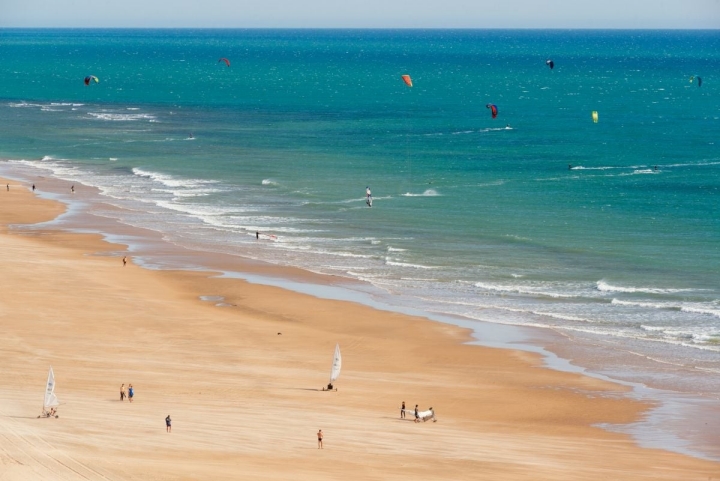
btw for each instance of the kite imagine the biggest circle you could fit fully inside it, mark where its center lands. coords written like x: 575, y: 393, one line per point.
x: 493, y: 109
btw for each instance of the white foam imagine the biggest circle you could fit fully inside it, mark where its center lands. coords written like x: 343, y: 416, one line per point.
x: 526, y: 290
x: 427, y: 193
x: 390, y: 262
x: 121, y: 117
x: 171, y: 181
x: 701, y: 310
x: 605, y: 287
x: 269, y: 182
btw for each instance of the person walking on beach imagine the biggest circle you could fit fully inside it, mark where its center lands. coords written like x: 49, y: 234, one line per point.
x: 8, y: 187
x: 257, y: 235
x: 402, y: 410
x: 131, y: 393
x: 417, y: 416
x: 320, y: 436
x: 72, y: 189
x: 168, y: 424
x: 122, y: 392
x: 33, y: 187
x: 124, y: 261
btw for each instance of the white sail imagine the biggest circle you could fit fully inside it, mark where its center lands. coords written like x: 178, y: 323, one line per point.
x: 51, y: 399
x: 336, y: 365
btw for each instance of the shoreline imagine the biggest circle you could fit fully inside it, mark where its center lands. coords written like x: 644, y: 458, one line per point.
x: 573, y: 400
x: 689, y: 434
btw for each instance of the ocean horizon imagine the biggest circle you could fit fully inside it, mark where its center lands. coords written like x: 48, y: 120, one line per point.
x: 604, y: 232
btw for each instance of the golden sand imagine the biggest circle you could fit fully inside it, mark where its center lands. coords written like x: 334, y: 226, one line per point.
x: 246, y: 402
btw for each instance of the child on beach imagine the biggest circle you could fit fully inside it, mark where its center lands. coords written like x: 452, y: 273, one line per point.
x: 168, y: 424
x: 131, y: 393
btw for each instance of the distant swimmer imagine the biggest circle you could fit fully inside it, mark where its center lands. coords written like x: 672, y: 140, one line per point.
x: 507, y: 127
x: 656, y: 167
x: 569, y: 166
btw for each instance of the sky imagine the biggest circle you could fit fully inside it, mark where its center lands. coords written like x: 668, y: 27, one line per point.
x: 683, y: 14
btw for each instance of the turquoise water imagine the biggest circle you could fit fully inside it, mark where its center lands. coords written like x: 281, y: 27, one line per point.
x: 607, y: 232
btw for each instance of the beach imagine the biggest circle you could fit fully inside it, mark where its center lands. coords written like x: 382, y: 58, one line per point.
x: 243, y: 381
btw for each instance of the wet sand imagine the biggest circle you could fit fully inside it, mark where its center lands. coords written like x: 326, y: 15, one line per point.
x: 246, y: 401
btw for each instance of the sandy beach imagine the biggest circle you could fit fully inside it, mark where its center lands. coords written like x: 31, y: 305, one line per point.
x: 242, y: 382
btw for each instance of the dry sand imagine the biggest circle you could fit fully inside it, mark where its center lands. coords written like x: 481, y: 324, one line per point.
x: 246, y: 402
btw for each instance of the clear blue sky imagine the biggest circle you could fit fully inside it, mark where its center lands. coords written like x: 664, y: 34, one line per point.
x: 364, y: 13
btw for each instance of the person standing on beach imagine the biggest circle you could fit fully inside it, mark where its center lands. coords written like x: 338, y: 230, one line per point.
x: 320, y: 436
x: 168, y: 424
x: 417, y: 416
x: 124, y: 261
x: 131, y: 393
x: 8, y: 187
x: 402, y: 410
x: 122, y: 392
x: 33, y: 187
x: 257, y: 235
x: 72, y: 189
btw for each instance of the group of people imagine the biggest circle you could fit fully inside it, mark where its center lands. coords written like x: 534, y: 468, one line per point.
x: 419, y: 415
x: 130, y: 393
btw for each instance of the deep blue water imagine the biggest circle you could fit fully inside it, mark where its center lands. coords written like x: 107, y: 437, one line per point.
x: 606, y: 231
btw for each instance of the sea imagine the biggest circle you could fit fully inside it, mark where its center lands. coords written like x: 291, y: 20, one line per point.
x: 605, y: 233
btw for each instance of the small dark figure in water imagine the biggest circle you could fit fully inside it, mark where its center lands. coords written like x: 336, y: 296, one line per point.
x: 33, y: 187
x: 72, y: 189
x: 569, y: 166
x: 257, y: 235
x: 656, y: 167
